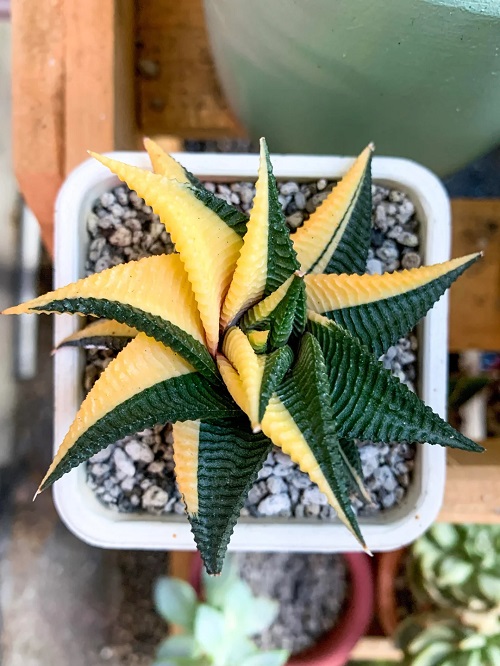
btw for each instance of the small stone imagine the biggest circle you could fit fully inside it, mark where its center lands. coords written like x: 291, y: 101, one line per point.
x: 299, y: 480
x: 286, y: 189
x: 107, y: 199
x: 388, y: 251
x: 102, y: 455
x: 127, y: 485
x: 313, y: 495
x: 411, y: 260
x: 116, y: 210
x: 300, y: 200
x: 275, y: 505
x: 283, y: 459
x: 384, y: 476
x: 374, y: 267
x: 257, y: 492
x: 210, y: 187
x: 321, y: 184
x: 276, y: 485
x: 99, y: 470
x: 122, y: 195
x: 121, y: 237
x: 281, y: 469
x: 295, y: 220
x: 156, y: 467
x: 139, y: 451
x: 179, y: 508
x: 408, y: 239
x: 265, y: 472
x: 389, y: 500
x: 123, y: 462
x: 154, y: 498
x: 246, y: 194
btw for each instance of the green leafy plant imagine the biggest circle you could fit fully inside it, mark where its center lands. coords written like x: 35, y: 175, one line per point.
x: 218, y: 630
x: 446, y: 638
x: 454, y: 573
x: 248, y: 337
x: 457, y: 566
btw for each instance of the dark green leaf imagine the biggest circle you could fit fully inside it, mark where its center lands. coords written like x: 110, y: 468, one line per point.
x: 229, y: 459
x: 276, y: 367
x: 227, y: 213
x: 368, y: 403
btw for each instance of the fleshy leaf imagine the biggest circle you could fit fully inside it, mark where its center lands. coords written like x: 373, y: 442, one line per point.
x: 379, y: 309
x: 229, y: 459
x: 299, y: 419
x: 207, y: 245
x: 289, y: 314
x: 186, y: 436
x: 369, y: 403
x: 101, y: 334
x: 165, y: 165
x: 250, y: 368
x: 276, y: 366
x: 145, y: 385
x: 258, y: 340
x: 258, y: 317
x: 175, y: 601
x: 233, y: 382
x: 168, y: 314
x: 336, y: 238
x: 352, y: 465
x: 266, y: 258
x: 209, y: 630
x: 267, y: 658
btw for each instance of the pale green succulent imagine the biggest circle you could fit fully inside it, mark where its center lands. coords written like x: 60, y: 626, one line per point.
x: 218, y: 631
x: 457, y: 566
x: 446, y: 638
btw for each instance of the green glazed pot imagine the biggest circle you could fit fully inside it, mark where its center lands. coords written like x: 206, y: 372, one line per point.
x: 421, y: 78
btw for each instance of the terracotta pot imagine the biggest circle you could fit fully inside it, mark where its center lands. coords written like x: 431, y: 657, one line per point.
x: 387, y: 608
x: 335, y: 647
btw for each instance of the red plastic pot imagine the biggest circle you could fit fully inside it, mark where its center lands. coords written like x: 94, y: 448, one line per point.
x: 335, y: 647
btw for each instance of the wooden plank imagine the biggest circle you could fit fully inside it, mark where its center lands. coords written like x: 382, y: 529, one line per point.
x: 373, y: 648
x: 177, y: 86
x: 38, y: 42
x: 472, y: 493
x: 99, y: 78
x: 475, y: 298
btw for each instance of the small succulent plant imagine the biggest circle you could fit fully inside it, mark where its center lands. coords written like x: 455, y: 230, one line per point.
x: 455, y: 566
x: 445, y: 638
x: 454, y: 570
x: 248, y: 336
x: 218, y: 630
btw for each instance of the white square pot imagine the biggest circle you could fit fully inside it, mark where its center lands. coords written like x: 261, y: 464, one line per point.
x: 92, y: 522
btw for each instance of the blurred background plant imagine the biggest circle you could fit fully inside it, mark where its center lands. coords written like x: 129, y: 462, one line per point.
x: 453, y: 572
x: 216, y: 631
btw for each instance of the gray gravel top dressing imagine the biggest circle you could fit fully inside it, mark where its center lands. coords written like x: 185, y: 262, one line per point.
x: 310, y: 587
x: 137, y: 473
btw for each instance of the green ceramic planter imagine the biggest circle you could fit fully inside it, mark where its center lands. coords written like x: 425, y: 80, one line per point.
x: 421, y: 78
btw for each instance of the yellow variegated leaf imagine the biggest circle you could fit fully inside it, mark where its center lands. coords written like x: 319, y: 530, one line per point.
x: 258, y: 340
x: 250, y: 368
x: 317, y: 240
x: 233, y: 382
x: 262, y: 310
x: 98, y: 333
x: 335, y: 292
x: 186, y: 445
x: 173, y: 301
x: 379, y: 309
x: 142, y: 364
x: 207, y: 245
x: 250, y: 276
x: 282, y: 430
x: 163, y: 163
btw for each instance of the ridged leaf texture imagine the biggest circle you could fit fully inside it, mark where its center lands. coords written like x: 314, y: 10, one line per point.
x: 379, y: 309
x: 227, y: 339
x: 229, y: 459
x: 369, y: 403
x: 336, y: 238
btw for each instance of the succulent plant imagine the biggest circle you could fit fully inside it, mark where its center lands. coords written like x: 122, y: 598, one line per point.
x: 463, y: 638
x: 217, y: 631
x: 248, y: 337
x: 457, y: 566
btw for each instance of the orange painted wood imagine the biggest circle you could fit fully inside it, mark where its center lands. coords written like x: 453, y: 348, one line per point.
x: 38, y: 46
